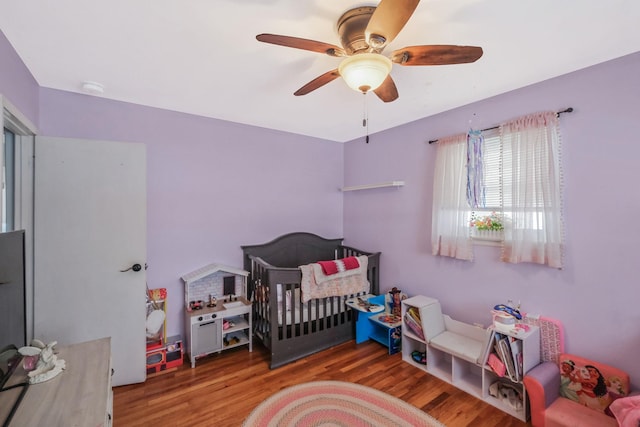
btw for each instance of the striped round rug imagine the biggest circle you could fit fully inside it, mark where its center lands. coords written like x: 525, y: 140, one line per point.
x: 336, y: 403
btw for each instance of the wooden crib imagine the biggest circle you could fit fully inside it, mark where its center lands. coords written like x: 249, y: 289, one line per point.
x: 289, y: 328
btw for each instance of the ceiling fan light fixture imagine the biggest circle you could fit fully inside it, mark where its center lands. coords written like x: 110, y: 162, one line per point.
x: 365, y: 71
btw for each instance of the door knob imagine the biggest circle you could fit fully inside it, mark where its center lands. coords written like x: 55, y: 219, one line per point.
x: 135, y: 267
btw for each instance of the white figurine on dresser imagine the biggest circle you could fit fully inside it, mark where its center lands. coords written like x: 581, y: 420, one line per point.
x: 48, y: 365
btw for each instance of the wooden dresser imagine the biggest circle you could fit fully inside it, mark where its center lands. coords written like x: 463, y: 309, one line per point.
x: 80, y: 396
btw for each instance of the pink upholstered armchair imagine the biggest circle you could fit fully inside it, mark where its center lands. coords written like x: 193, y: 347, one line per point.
x: 574, y: 392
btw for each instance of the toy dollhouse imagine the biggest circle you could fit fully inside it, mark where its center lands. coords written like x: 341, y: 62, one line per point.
x: 215, y: 281
x: 217, y: 311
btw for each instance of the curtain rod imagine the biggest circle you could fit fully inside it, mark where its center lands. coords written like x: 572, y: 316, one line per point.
x: 567, y: 110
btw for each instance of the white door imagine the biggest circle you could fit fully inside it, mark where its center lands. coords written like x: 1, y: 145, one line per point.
x: 90, y: 223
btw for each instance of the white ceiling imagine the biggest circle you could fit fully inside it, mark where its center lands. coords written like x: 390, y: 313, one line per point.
x: 201, y: 56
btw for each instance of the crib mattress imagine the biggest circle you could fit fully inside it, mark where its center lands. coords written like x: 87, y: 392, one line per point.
x: 302, y: 314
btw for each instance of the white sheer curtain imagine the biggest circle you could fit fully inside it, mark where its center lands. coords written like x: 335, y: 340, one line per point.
x: 531, y: 190
x: 450, y: 218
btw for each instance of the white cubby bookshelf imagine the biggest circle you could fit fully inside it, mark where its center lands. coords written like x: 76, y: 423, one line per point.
x: 455, y: 366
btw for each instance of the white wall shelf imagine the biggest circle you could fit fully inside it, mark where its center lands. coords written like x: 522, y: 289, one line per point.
x: 371, y: 186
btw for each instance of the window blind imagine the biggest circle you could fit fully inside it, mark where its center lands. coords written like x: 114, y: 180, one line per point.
x: 492, y: 175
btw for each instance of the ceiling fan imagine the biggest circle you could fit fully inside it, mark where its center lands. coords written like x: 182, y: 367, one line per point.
x: 364, y: 33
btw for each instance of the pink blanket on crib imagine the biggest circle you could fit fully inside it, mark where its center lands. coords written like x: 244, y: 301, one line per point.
x: 316, y: 284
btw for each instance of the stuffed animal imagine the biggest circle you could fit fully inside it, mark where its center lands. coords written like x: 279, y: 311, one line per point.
x: 507, y: 393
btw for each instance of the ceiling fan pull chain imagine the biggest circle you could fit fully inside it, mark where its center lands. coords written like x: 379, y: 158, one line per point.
x: 364, y: 110
x: 365, y: 117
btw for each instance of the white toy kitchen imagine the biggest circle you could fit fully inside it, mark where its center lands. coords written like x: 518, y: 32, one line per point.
x: 217, y: 311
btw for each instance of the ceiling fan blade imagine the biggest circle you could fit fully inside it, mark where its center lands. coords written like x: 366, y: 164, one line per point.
x: 387, y: 91
x: 436, y: 55
x: 304, y: 44
x: 387, y: 20
x: 319, y: 81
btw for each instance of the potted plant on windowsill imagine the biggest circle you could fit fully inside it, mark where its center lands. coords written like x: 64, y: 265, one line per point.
x: 488, y: 227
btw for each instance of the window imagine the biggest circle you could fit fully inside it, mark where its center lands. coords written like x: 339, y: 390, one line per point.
x: 490, y: 214
x: 7, y: 180
x: 521, y: 184
x: 16, y: 169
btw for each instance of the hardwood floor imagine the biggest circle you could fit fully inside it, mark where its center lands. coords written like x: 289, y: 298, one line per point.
x: 224, y: 388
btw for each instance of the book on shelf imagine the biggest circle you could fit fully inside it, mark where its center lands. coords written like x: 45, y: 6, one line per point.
x: 415, y: 314
x: 502, y: 349
x: 507, y: 359
x: 413, y: 324
x: 516, y: 354
x: 497, y: 365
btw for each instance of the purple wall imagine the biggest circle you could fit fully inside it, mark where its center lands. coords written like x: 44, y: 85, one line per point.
x: 596, y: 296
x: 212, y: 185
x: 16, y: 82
